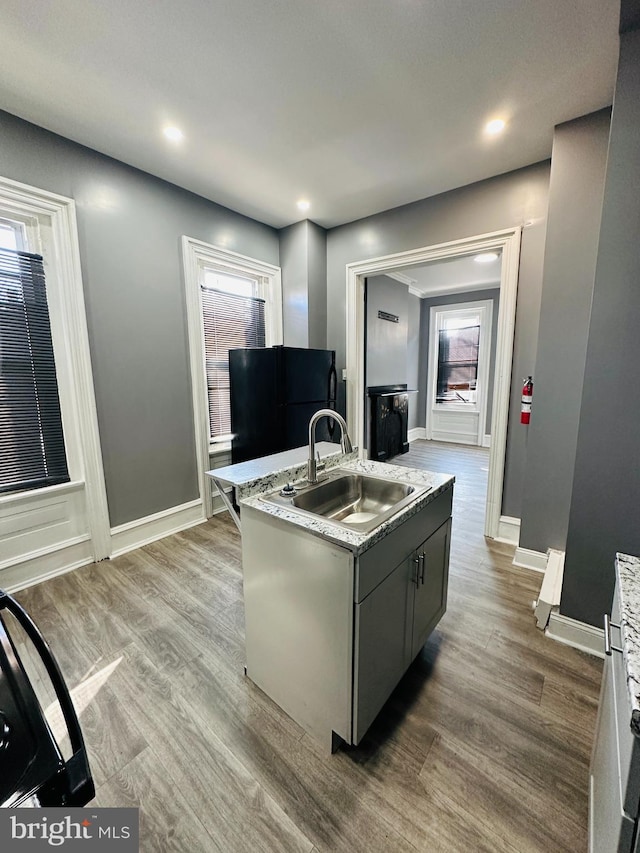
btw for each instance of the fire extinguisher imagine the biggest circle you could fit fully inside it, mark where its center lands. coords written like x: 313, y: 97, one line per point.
x: 527, y: 395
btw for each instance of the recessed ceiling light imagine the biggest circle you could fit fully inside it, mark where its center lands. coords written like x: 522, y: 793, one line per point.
x: 486, y: 257
x: 497, y: 125
x: 303, y: 204
x: 173, y: 134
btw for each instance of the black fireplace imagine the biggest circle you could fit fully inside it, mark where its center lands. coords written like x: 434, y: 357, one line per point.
x: 389, y: 407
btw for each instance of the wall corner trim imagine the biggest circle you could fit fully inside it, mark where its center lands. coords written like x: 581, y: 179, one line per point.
x: 528, y: 559
x: 579, y: 635
x: 508, y: 529
x: 142, y: 531
x: 416, y: 433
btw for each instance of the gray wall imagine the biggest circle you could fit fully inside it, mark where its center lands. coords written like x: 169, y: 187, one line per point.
x: 386, y: 348
x: 516, y: 198
x: 413, y: 359
x: 492, y: 295
x: 130, y: 225
x: 575, y: 206
x: 295, y: 284
x: 303, y: 259
x: 606, y: 487
x: 385, y: 341
x: 317, y: 243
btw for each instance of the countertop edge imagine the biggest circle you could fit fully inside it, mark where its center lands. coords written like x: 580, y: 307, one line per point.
x: 628, y: 576
x: 358, y: 543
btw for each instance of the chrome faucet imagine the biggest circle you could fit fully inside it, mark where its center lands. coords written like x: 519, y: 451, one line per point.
x: 345, y: 441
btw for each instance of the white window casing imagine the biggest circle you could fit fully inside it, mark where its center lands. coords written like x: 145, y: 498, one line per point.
x: 198, y: 256
x: 47, y: 531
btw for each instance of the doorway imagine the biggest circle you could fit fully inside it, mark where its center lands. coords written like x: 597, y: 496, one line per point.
x: 507, y: 243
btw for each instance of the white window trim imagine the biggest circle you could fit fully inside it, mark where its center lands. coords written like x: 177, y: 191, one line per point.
x: 195, y: 255
x: 484, y: 309
x: 58, y: 233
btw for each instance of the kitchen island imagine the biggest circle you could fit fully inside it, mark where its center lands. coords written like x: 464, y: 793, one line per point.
x: 335, y: 616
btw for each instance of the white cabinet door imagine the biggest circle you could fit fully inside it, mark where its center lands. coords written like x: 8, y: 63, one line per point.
x: 610, y: 829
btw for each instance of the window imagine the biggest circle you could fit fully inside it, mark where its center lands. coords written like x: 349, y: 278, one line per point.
x: 12, y: 235
x: 257, y: 288
x: 64, y: 523
x: 458, y: 346
x: 32, y: 450
x: 233, y: 315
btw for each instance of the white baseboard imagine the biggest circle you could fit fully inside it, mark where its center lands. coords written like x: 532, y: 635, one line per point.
x: 577, y: 634
x: 527, y: 559
x: 46, y: 563
x: 486, y: 441
x: 142, y: 531
x: 508, y: 530
x: 416, y: 432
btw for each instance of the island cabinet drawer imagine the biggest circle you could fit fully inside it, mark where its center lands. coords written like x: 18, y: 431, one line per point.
x: 379, y: 561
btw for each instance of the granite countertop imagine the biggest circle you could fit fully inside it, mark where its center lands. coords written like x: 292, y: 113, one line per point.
x: 263, y: 475
x: 628, y: 573
x: 354, y: 541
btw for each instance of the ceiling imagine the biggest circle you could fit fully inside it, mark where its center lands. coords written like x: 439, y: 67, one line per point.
x: 357, y: 105
x: 451, y: 275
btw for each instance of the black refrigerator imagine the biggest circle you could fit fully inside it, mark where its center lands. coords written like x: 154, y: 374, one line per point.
x: 274, y: 393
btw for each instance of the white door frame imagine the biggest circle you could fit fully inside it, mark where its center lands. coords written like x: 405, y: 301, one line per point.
x: 506, y: 241
x: 484, y: 308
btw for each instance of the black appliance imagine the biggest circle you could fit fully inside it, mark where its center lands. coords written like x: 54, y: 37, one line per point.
x: 274, y: 393
x: 389, y: 421
x: 33, y: 771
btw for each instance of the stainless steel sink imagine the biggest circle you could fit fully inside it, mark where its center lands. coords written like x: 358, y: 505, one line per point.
x: 358, y: 502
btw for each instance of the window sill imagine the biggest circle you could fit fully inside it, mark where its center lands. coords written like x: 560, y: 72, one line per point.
x: 455, y: 406
x: 219, y: 448
x: 16, y: 498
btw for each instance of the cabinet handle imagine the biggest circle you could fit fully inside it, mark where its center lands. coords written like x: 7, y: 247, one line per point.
x: 421, y: 559
x: 608, y: 648
x: 416, y: 580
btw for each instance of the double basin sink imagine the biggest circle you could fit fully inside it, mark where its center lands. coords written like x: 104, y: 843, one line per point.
x: 350, y: 500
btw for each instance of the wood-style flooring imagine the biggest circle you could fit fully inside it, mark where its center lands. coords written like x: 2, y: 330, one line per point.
x: 484, y: 745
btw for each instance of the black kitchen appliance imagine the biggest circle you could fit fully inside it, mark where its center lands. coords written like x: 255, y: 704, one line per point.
x: 388, y: 424
x: 274, y: 393
x: 33, y: 771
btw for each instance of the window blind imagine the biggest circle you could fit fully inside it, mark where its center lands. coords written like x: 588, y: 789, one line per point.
x: 32, y: 452
x: 230, y: 322
x: 457, y: 361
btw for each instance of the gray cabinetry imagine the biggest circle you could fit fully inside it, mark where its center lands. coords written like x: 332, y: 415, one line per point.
x: 330, y: 634
x: 614, y: 794
x: 382, y: 652
x: 430, y: 585
x: 394, y: 620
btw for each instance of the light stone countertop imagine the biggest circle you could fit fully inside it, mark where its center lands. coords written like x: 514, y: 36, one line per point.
x: 628, y: 574
x: 354, y: 541
x: 259, y: 476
